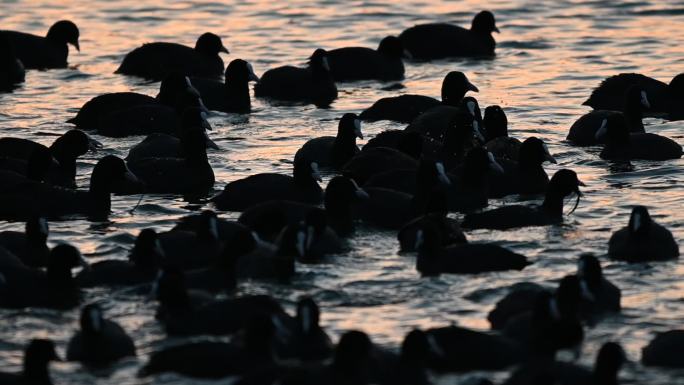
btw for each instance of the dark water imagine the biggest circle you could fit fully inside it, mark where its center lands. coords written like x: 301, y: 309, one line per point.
x: 549, y: 56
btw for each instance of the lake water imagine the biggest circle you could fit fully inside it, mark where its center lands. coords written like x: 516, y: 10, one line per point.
x: 549, y: 56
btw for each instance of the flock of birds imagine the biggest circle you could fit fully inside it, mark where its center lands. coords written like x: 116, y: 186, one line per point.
x: 448, y: 159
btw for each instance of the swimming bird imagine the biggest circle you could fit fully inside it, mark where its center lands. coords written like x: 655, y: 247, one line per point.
x: 37, y: 357
x: 232, y: 95
x: 151, y: 118
x: 622, y: 145
x: 374, y: 160
x: 583, y: 131
x: 186, y: 312
x: 313, y: 84
x: 213, y: 360
x: 664, y: 98
x: 53, y: 288
x: 405, y: 108
x: 553, y: 323
x: 360, y: 63
x: 410, y: 143
x: 225, y: 229
x: 100, y: 341
x: 31, y: 199
x: 165, y: 145
x: 29, y: 246
x: 662, y: 350
x: 610, y: 358
x: 65, y: 150
x: 38, y: 167
x: 563, y: 183
x: 309, y: 342
x: 333, y: 151
x: 142, y: 265
x: 642, y: 240
x: 520, y: 299
x: 12, y: 72
x: 275, y: 263
x: 302, y: 186
x: 157, y: 60
x: 89, y: 115
x: 51, y: 51
x: 526, y: 175
x: 449, y: 229
x: 470, y: 182
x: 600, y: 295
x: 436, y: 121
x: 195, y: 247
x: 467, y: 258
x: 497, y: 140
x: 341, y: 193
x: 457, y: 349
x: 191, y: 174
x: 442, y: 40
x: 393, y: 209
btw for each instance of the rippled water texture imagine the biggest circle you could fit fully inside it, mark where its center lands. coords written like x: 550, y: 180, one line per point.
x: 549, y: 57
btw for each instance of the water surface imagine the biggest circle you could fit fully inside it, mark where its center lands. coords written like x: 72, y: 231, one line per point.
x: 549, y: 56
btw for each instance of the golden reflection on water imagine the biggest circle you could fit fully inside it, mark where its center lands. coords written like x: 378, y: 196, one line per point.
x: 550, y: 55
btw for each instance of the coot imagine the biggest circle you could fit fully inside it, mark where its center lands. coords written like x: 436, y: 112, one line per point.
x: 405, y: 108
x: 233, y: 94
x: 642, y: 240
x: 155, y: 61
x: 51, y: 51
x: 333, y: 151
x: 360, y: 63
x: 441, y: 40
x: 313, y: 84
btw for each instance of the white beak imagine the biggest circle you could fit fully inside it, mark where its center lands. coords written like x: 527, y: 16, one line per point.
x: 441, y: 174
x: 603, y: 130
x: 644, y: 100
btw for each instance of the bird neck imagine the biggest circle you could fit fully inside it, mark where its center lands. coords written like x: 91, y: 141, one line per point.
x: 37, y: 372
x: 634, y: 119
x: 553, y: 203
x: 238, y: 94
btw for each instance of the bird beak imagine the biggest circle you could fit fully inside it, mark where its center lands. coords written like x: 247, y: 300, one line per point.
x: 130, y: 177
x: 205, y: 123
x: 494, y: 165
x: 434, y: 346
x: 548, y: 156
x: 580, y: 183
x: 407, y: 54
x: 94, y: 145
x: 419, y: 240
x: 252, y: 75
x: 496, y: 29
x: 357, y: 129
x: 360, y: 193
x: 441, y: 175
x: 315, y: 173
x: 84, y: 264
x: 78, y: 46
x: 326, y: 64
x: 301, y: 244
x: 476, y: 131
x: 309, y: 236
x: 585, y: 292
x: 644, y: 100
x: 224, y: 49
x: 471, y: 87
